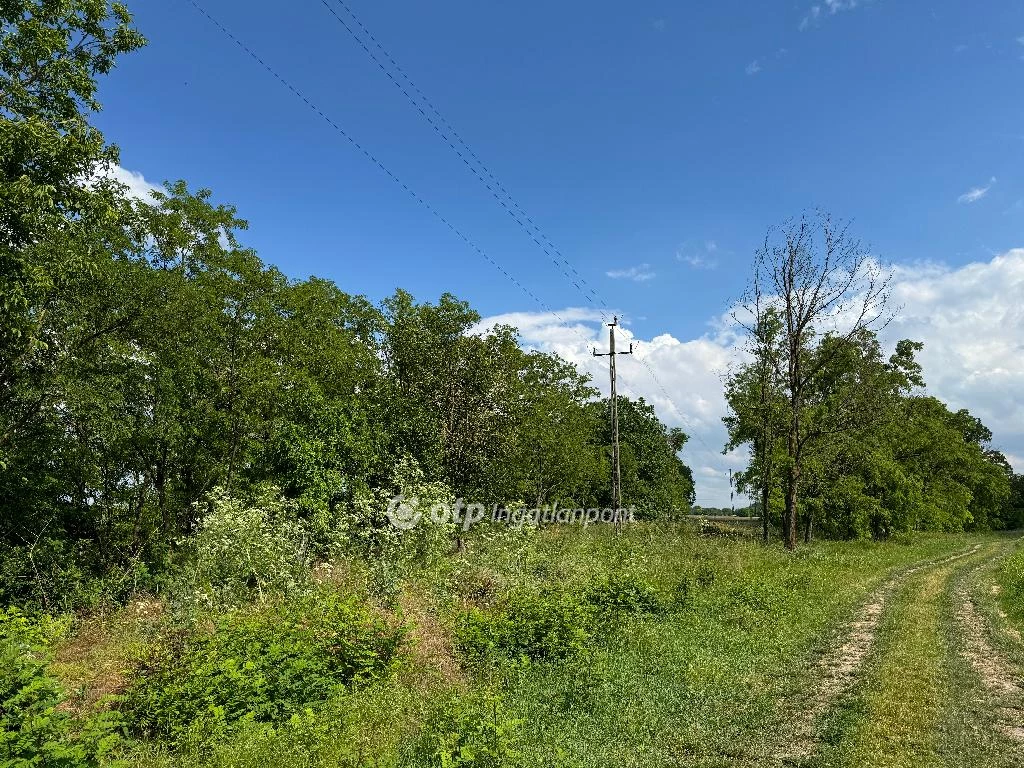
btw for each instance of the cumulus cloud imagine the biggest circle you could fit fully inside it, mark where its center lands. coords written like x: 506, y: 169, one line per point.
x: 753, y: 67
x: 974, y: 194
x: 638, y: 273
x: 137, y: 184
x: 970, y: 319
x: 681, y: 379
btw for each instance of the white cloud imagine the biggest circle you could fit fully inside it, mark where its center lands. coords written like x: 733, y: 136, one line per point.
x: 136, y: 182
x: 811, y: 17
x: 974, y: 194
x: 703, y: 256
x: 638, y: 273
x: 700, y: 262
x: 828, y: 8
x: 753, y: 67
x: 970, y: 319
x: 689, y: 371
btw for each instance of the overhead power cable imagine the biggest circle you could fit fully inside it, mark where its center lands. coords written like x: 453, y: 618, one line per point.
x: 391, y: 175
x: 450, y: 136
x: 373, y: 159
x: 447, y: 133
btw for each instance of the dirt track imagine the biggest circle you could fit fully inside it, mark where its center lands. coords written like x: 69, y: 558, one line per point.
x: 849, y: 668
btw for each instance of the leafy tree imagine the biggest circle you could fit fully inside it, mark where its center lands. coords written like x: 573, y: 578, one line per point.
x: 56, y: 210
x: 757, y: 407
x: 1013, y: 517
x: 816, y: 274
x: 654, y: 478
x: 148, y: 359
x: 549, y: 447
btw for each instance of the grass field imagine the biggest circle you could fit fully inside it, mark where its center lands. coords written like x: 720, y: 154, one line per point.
x: 657, y: 647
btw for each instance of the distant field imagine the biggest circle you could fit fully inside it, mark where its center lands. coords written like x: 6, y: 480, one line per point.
x: 658, y: 647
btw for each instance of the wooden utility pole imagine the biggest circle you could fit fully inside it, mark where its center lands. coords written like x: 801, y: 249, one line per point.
x: 616, y: 473
x: 732, y: 502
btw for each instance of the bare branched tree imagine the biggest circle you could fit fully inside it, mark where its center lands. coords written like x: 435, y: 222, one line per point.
x: 815, y: 278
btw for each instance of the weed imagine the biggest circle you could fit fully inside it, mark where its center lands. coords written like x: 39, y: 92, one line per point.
x: 264, y: 665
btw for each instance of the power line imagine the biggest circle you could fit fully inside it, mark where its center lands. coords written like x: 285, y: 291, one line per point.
x: 405, y: 187
x: 366, y: 153
x: 451, y: 137
x: 373, y: 159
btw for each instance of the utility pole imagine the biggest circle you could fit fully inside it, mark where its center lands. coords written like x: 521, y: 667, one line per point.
x: 616, y: 473
x: 732, y: 503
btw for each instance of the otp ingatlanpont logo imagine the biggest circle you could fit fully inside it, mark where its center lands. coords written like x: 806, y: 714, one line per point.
x: 403, y: 514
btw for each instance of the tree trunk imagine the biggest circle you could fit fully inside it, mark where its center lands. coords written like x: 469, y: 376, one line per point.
x: 789, y: 524
x: 808, y: 525
x: 789, y: 534
x: 766, y: 493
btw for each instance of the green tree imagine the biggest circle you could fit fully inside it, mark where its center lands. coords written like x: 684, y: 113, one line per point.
x: 654, y: 478
x: 56, y: 209
x: 816, y: 274
x: 757, y: 406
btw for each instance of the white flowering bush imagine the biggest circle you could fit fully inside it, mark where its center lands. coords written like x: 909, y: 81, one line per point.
x: 243, y: 550
x: 365, y: 529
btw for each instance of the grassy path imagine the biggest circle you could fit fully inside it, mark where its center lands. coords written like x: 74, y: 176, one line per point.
x: 923, y: 686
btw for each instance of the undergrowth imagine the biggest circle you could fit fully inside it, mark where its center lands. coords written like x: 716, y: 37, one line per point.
x: 559, y: 648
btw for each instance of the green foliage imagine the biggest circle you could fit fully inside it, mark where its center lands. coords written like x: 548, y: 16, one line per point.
x: 656, y: 480
x: 196, y: 367
x: 1014, y: 510
x: 1011, y: 578
x: 469, y: 732
x: 242, y: 550
x: 557, y: 623
x: 536, y: 626
x: 878, y: 458
x: 627, y: 593
x: 53, y: 225
x: 34, y: 729
x: 262, y: 665
x: 148, y: 359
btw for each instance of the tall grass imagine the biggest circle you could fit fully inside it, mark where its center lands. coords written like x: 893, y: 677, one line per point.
x: 666, y: 648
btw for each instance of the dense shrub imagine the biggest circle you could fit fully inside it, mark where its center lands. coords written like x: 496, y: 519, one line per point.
x: 58, y: 575
x: 623, y: 593
x: 540, y: 626
x: 263, y: 665
x: 557, y: 624
x: 470, y: 732
x: 242, y: 550
x: 34, y: 731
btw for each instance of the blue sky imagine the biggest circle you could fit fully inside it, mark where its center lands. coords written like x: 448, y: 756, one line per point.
x: 653, y: 144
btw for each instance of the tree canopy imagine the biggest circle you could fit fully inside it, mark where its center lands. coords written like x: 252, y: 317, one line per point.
x: 149, y: 362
